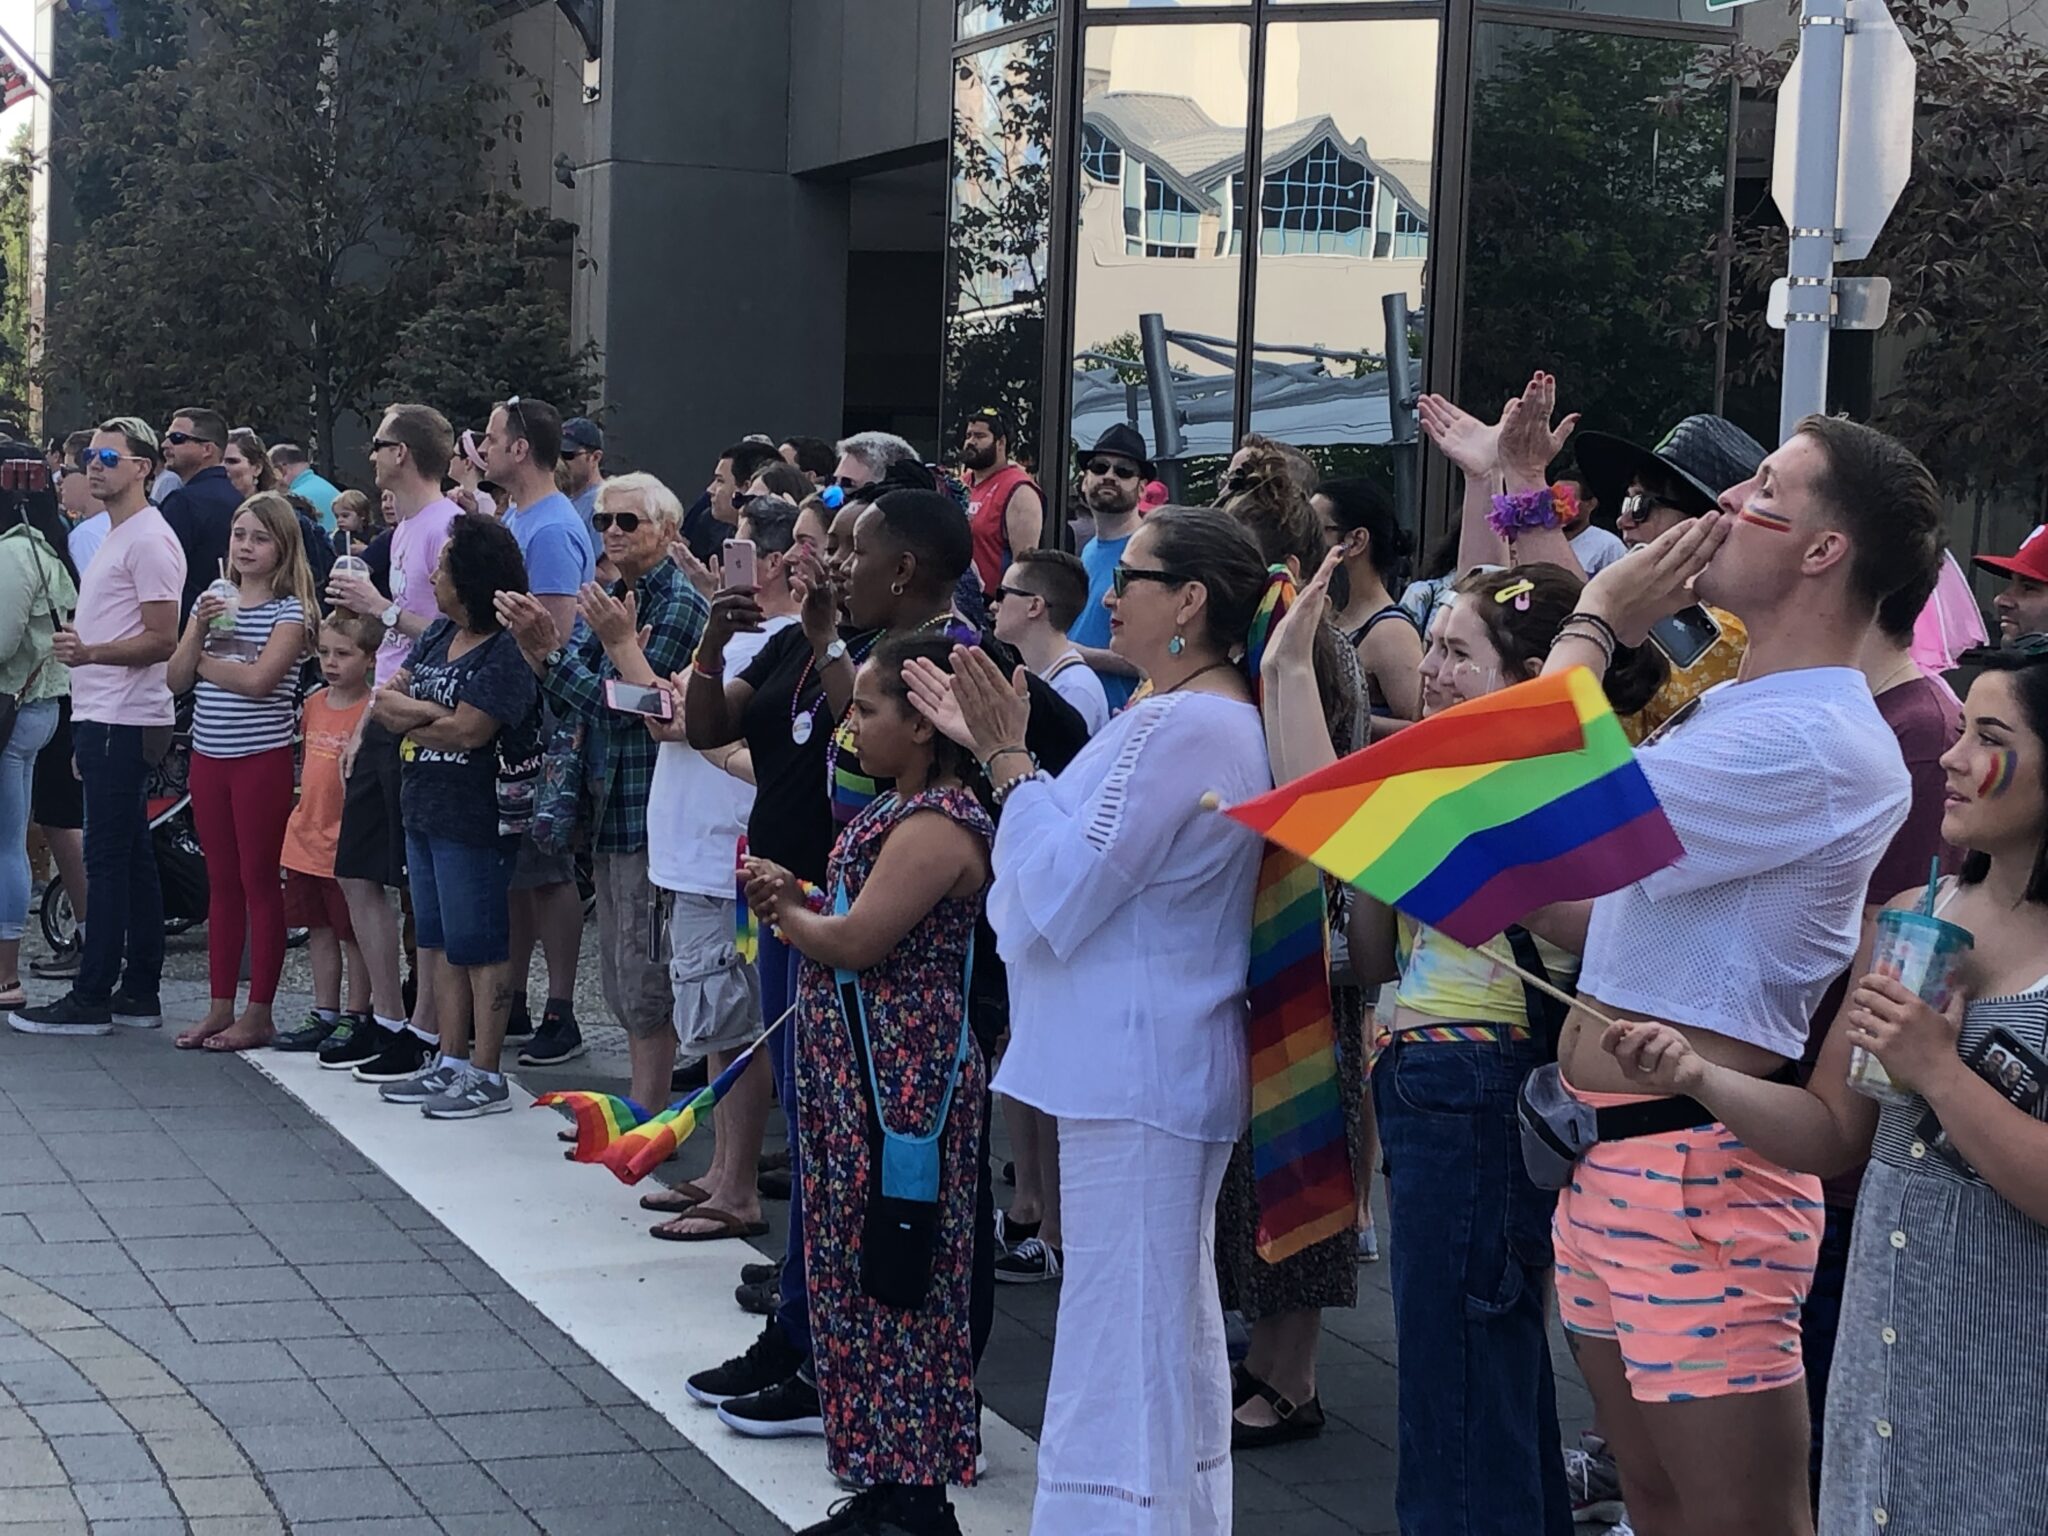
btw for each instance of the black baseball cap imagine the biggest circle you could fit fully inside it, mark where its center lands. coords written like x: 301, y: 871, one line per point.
x: 583, y: 432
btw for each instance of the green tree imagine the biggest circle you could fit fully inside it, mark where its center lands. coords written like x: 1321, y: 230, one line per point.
x: 266, y: 191
x: 1599, y: 173
x: 16, y: 171
x: 1965, y: 250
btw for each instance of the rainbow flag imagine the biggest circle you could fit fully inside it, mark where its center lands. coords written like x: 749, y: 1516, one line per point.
x: 1301, y: 1157
x: 601, y: 1119
x: 746, y: 937
x: 1471, y: 819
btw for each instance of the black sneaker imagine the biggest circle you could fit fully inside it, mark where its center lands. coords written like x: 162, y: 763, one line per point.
x: 403, y: 1055
x: 518, y: 1023
x: 773, y: 1184
x: 66, y: 1016
x: 353, y: 1044
x: 133, y: 1012
x: 759, y: 1296
x: 888, y: 1511
x: 754, y: 1274
x: 787, y: 1409
x: 307, y: 1036
x: 769, y: 1359
x: 557, y: 1040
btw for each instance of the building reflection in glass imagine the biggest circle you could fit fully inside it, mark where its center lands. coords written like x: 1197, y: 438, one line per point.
x: 974, y: 17
x: 1156, y: 270
x: 998, y: 227
x: 1343, y: 223
x: 1597, y: 199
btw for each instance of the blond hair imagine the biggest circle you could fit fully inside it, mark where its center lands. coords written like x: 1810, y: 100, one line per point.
x: 660, y: 502
x: 293, y: 576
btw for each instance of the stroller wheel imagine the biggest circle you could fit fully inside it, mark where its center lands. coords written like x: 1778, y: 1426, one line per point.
x: 59, y: 921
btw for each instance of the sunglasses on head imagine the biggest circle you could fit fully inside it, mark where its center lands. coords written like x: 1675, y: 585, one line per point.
x: 1116, y: 467
x: 518, y: 409
x: 625, y: 522
x: 1121, y: 578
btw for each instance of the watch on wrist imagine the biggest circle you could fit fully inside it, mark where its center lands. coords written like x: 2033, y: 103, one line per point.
x: 557, y: 656
x: 389, y: 617
x: 836, y: 651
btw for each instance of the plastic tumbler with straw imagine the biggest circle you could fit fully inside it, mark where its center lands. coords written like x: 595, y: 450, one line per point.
x: 230, y: 595
x: 1922, y: 953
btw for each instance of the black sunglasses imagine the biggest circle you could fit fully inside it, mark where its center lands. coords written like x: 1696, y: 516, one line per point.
x: 379, y: 444
x: 1003, y: 592
x: 625, y: 522
x: 180, y: 438
x: 568, y: 454
x: 518, y: 409
x: 1121, y: 578
x: 1115, y: 467
x: 1638, y: 507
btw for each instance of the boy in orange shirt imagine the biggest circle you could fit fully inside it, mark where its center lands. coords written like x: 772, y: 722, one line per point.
x: 312, y: 896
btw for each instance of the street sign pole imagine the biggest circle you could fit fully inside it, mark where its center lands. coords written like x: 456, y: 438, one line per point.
x: 1817, y: 150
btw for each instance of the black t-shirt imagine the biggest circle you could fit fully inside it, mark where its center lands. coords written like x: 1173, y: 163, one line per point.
x: 455, y: 794
x: 791, y: 822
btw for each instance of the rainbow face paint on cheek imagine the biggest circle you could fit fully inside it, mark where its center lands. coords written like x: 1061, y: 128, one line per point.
x: 1998, y: 777
x: 1758, y: 518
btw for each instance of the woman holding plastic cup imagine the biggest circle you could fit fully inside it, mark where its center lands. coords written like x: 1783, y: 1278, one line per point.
x: 1941, y: 1352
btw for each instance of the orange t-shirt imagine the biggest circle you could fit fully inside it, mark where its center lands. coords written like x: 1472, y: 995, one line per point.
x: 310, y: 835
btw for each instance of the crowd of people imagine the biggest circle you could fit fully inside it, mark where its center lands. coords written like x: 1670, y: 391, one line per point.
x: 851, y: 756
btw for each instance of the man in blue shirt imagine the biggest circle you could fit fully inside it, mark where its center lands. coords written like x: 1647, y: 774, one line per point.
x: 521, y: 449
x: 201, y: 511
x: 296, y: 474
x: 1113, y: 474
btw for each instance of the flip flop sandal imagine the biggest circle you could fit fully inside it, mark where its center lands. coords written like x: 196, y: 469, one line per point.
x: 15, y: 996
x: 729, y: 1225
x: 676, y: 1199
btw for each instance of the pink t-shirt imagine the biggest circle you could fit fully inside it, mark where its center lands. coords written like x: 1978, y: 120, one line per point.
x: 140, y: 562
x: 415, y: 550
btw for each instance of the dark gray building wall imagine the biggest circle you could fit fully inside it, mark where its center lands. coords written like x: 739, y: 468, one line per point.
x: 869, y: 80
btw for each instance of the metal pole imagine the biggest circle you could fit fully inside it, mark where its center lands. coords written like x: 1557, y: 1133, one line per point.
x: 1401, y: 396
x: 1166, y: 439
x: 1809, y: 308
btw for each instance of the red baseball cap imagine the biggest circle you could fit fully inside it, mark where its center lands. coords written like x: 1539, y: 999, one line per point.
x: 2029, y: 560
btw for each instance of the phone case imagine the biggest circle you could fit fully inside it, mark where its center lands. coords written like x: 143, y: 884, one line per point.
x: 2008, y: 1065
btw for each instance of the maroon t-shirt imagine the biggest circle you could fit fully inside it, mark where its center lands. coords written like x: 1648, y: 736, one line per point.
x: 1927, y: 721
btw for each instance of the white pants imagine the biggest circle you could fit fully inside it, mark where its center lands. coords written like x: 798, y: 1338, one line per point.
x: 1137, y: 1417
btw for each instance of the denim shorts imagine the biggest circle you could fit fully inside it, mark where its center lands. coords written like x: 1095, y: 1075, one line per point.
x: 458, y: 897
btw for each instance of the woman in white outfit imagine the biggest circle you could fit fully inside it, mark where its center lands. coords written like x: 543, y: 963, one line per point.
x: 1124, y: 909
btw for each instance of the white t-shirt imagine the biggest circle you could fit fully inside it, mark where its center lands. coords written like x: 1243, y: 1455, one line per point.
x: 1597, y: 548
x: 1075, y: 681
x: 696, y: 811
x: 86, y: 538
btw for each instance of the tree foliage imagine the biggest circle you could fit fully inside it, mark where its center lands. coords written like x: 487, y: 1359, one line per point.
x: 268, y: 195
x: 16, y: 173
x: 1966, y: 251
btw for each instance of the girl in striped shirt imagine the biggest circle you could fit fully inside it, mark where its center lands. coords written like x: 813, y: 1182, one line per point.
x: 241, y: 659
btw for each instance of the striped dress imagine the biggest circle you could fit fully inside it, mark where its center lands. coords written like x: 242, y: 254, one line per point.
x: 1938, y: 1401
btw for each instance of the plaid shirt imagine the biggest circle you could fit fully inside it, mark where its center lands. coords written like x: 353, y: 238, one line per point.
x: 619, y: 766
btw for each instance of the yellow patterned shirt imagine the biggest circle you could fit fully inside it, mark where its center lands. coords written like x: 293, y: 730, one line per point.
x: 1719, y: 665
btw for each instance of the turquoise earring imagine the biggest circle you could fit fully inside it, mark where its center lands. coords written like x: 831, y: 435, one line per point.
x: 1175, y: 646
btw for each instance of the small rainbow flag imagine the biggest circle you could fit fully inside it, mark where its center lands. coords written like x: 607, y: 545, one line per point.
x: 1471, y: 819
x: 601, y: 1119
x: 746, y: 935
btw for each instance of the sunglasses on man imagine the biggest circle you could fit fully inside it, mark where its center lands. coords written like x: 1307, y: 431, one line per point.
x: 625, y: 522
x: 104, y: 458
x: 1103, y: 468
x: 179, y: 439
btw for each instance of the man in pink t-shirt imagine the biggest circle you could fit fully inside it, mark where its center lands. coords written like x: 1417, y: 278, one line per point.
x: 408, y: 456
x: 121, y: 711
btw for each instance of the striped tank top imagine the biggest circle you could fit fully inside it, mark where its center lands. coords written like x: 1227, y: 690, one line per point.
x: 226, y: 724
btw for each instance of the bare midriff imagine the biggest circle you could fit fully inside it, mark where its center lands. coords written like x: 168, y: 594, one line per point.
x: 1588, y: 1066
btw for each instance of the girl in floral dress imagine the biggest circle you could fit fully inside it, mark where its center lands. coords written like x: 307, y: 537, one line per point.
x: 896, y: 1383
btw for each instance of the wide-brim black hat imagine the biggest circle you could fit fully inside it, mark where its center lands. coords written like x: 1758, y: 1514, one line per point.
x: 1703, y: 455
x: 1124, y: 441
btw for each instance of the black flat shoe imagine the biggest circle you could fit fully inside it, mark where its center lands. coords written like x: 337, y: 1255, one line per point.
x: 1296, y: 1421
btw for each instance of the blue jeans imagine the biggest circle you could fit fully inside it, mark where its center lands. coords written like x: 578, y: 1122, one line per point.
x: 778, y: 966
x: 1470, y: 1271
x: 459, y: 902
x: 34, y: 725
x: 127, y: 918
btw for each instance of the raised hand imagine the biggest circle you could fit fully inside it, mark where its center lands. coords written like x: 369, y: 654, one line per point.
x: 1657, y: 581
x: 1461, y: 437
x: 1293, y: 640
x: 931, y: 695
x: 1528, y: 441
x: 995, y: 709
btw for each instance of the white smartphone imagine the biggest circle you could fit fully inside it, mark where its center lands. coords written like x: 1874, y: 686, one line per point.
x: 739, y: 569
x: 638, y: 699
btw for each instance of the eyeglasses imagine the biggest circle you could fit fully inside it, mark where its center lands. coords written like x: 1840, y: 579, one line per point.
x: 1638, y: 507
x: 104, y: 458
x: 379, y: 444
x: 1121, y: 578
x: 1003, y: 592
x: 625, y: 522
x: 1116, y: 467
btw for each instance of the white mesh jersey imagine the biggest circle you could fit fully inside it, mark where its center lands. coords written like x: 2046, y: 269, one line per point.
x: 1785, y: 792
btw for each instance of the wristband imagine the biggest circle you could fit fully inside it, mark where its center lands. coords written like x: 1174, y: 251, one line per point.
x: 1519, y: 511
x: 697, y: 666
x: 989, y: 761
x: 1594, y: 619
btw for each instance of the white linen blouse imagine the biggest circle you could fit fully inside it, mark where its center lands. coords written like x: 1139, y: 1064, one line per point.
x: 1123, y: 908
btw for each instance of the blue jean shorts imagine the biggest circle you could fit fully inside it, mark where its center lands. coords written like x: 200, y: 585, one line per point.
x: 458, y: 897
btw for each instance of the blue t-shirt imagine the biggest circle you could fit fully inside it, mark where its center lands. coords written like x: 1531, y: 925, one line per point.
x: 555, y: 540
x: 1100, y: 557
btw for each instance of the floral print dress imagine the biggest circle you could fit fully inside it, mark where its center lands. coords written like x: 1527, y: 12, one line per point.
x: 897, y: 1386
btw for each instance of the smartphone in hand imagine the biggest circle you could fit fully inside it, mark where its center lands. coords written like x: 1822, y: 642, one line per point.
x: 639, y: 699
x: 739, y: 568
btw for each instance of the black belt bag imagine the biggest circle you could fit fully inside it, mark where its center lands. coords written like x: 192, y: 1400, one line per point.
x: 1558, y: 1128
x: 900, y: 1233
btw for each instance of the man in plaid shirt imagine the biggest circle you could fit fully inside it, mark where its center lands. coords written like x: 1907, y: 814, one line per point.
x: 644, y: 627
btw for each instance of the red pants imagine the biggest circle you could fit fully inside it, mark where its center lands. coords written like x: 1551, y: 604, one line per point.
x: 240, y: 806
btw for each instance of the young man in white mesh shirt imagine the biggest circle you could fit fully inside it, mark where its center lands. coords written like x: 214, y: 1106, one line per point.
x: 1683, y: 1255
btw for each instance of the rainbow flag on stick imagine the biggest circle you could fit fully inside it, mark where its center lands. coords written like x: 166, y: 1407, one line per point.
x: 1472, y: 819
x: 601, y: 1119
x: 746, y: 937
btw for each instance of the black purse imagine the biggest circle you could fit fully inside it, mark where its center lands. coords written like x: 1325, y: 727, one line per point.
x: 900, y: 1233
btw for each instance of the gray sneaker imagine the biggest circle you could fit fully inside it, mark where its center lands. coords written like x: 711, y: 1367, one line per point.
x: 427, y: 1083
x: 469, y: 1096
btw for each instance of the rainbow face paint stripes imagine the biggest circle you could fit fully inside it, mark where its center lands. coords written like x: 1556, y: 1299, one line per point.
x: 1757, y: 517
x: 1998, y: 777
